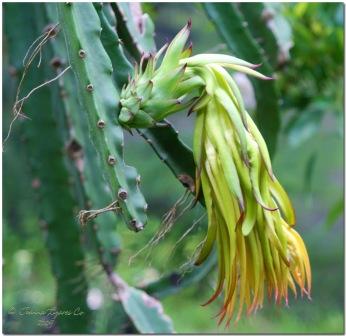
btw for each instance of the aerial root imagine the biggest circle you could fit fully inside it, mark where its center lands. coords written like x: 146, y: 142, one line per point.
x: 187, y: 232
x: 168, y: 220
x: 27, y: 61
x: 85, y: 216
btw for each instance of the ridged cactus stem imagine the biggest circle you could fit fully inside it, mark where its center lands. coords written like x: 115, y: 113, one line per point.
x: 56, y: 204
x: 122, y: 68
x: 96, y: 194
x: 134, y: 28
x: 99, y: 97
x: 271, y: 30
x: 257, y: 24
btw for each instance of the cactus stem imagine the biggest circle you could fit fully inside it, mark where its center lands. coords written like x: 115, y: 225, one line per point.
x: 150, y: 142
x: 103, y: 103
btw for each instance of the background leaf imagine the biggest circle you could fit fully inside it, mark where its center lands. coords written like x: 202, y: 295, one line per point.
x: 145, y: 311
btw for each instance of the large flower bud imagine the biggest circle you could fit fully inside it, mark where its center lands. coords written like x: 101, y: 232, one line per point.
x: 160, y: 89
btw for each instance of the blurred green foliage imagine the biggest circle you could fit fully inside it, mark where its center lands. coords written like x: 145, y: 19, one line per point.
x: 311, y: 84
x: 309, y: 162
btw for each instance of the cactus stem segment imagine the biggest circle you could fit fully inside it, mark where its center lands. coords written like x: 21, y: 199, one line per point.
x: 103, y: 103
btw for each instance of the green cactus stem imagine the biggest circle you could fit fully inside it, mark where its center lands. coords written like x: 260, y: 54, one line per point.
x: 99, y: 98
x: 122, y: 68
x: 55, y: 201
x: 134, y: 28
x: 96, y: 194
x: 270, y: 29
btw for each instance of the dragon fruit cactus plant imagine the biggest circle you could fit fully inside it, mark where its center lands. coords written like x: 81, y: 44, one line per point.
x: 109, y: 78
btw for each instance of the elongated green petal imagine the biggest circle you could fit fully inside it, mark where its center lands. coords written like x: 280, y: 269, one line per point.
x: 250, y: 215
x: 283, y: 200
x: 261, y: 143
x: 175, y: 48
x: 232, y: 89
x: 234, y: 115
x: 224, y: 154
x: 212, y: 224
x: 247, y: 71
x: 205, y: 59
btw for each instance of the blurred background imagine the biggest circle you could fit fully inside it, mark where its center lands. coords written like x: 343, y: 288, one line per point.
x: 308, y: 161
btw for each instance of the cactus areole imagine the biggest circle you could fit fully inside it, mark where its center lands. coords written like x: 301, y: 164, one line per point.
x: 250, y: 217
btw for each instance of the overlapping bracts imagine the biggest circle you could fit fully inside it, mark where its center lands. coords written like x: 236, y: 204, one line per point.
x: 250, y: 216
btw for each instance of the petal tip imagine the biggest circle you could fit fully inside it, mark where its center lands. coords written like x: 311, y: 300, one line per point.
x: 255, y: 66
